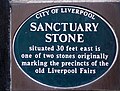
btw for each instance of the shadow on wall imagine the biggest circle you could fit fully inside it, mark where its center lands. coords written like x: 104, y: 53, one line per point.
x: 4, y: 46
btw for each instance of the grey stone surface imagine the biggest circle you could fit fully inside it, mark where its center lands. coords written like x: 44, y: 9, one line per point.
x: 42, y: 1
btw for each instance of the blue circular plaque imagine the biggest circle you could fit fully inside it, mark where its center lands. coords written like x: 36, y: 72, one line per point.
x: 65, y: 46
